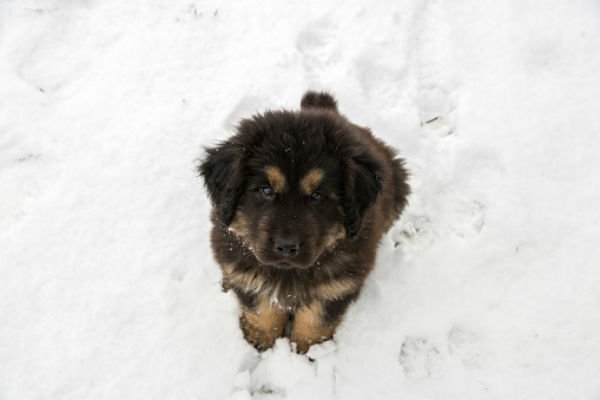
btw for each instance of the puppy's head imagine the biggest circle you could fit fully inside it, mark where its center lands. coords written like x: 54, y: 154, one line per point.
x: 292, y: 185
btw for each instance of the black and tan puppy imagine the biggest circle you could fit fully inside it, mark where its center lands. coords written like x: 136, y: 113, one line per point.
x: 301, y: 200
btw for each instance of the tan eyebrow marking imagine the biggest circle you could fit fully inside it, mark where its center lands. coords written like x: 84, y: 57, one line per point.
x: 276, y: 178
x: 311, y: 180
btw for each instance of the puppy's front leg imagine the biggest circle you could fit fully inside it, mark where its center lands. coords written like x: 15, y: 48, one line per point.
x: 316, y: 322
x: 262, y: 323
x: 311, y: 326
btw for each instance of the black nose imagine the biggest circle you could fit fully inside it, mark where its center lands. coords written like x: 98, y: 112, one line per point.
x: 286, y: 248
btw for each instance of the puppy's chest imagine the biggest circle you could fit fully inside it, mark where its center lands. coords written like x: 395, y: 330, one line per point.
x: 288, y: 289
x: 284, y: 288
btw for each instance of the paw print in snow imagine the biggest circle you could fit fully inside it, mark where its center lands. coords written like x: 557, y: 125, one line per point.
x: 414, y: 228
x: 466, y: 346
x: 468, y: 218
x: 317, y: 45
x: 418, y: 357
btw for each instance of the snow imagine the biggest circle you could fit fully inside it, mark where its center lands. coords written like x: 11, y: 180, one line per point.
x: 488, y: 287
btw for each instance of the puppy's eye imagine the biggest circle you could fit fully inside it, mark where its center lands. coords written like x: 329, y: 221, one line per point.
x: 267, y: 192
x: 315, y: 197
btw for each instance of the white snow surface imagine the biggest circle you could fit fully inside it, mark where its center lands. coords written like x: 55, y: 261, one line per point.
x: 487, y: 288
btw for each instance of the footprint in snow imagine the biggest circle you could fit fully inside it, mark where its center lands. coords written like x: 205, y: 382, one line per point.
x: 466, y: 346
x: 414, y: 229
x: 317, y: 46
x: 419, y: 358
x: 468, y: 218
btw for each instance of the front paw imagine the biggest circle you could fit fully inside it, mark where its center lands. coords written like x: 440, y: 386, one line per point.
x: 257, y: 337
x: 301, y: 345
x: 310, y: 327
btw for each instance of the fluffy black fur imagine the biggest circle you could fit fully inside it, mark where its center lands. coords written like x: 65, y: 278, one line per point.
x: 336, y: 230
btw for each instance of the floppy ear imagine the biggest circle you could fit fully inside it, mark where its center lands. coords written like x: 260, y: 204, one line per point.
x: 223, y: 178
x: 362, y: 183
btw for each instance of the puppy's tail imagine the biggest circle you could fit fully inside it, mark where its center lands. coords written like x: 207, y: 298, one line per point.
x: 318, y: 100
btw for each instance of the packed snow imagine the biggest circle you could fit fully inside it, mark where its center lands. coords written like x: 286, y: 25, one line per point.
x: 487, y: 288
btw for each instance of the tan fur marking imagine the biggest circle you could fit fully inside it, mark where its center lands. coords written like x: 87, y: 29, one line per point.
x: 276, y: 178
x: 309, y: 327
x: 263, y: 325
x: 228, y: 269
x: 310, y: 182
x: 336, y: 289
x: 248, y: 281
x: 335, y: 234
x: 240, y: 225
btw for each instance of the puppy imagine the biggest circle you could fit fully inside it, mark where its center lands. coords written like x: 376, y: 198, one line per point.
x: 300, y: 202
